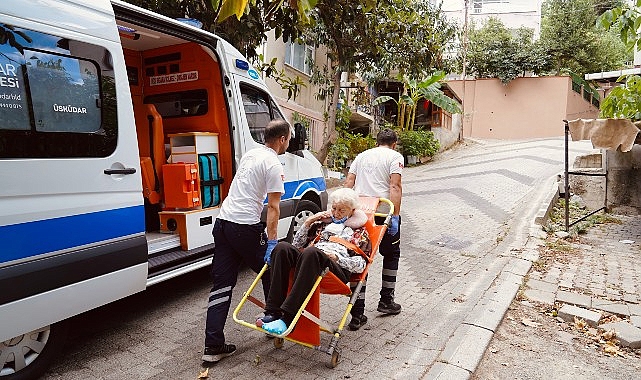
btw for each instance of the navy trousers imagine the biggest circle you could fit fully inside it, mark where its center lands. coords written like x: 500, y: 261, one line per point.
x: 235, y: 244
x: 390, y: 249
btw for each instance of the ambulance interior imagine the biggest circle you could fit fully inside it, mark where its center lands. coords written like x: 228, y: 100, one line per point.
x: 183, y: 139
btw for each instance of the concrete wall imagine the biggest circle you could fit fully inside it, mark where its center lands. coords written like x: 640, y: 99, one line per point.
x: 531, y: 107
x: 624, y: 181
x: 448, y: 137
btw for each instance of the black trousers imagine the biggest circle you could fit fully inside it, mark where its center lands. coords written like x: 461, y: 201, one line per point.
x: 235, y: 244
x: 390, y: 249
x: 307, y: 265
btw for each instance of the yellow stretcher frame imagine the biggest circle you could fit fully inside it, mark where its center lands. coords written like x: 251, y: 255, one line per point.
x: 367, y: 205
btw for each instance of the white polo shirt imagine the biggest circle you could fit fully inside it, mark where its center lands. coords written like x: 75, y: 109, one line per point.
x: 259, y: 173
x: 373, y: 169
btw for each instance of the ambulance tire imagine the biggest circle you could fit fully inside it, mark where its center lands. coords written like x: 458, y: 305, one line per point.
x: 304, y: 209
x: 53, y: 338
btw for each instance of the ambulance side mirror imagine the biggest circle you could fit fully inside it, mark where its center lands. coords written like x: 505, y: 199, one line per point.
x: 297, y: 142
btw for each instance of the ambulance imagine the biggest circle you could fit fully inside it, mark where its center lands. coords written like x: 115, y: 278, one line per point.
x: 120, y: 133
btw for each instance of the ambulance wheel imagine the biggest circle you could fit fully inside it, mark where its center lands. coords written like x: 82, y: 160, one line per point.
x: 304, y: 209
x: 278, y: 342
x: 28, y: 356
x: 336, y: 357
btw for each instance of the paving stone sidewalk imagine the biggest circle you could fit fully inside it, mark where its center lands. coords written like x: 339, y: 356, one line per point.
x: 602, y: 276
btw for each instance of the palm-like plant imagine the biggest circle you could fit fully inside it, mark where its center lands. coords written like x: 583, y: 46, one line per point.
x: 413, y: 91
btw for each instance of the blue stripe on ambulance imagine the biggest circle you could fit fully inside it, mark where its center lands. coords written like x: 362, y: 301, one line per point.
x: 294, y: 189
x: 34, y: 238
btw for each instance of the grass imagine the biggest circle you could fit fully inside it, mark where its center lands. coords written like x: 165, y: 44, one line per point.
x: 556, y: 221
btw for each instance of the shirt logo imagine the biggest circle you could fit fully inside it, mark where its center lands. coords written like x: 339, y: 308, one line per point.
x: 282, y: 177
x: 400, y: 165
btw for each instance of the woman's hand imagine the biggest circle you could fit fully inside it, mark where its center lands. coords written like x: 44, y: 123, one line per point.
x: 333, y: 257
x: 316, y: 217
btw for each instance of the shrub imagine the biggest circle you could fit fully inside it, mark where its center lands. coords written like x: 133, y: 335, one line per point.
x: 419, y: 143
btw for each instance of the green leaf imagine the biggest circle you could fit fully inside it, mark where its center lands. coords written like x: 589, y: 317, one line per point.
x: 383, y: 99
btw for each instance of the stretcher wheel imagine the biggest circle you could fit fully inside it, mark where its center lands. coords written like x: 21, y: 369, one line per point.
x: 278, y: 342
x: 336, y: 357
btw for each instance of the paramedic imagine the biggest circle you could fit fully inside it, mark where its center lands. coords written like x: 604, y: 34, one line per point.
x: 311, y: 252
x: 376, y: 172
x: 239, y: 235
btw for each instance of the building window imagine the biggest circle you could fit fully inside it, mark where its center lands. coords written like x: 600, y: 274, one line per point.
x: 477, y: 6
x: 300, y: 57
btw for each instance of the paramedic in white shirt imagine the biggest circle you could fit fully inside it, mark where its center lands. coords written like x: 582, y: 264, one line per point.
x: 239, y: 236
x: 377, y: 172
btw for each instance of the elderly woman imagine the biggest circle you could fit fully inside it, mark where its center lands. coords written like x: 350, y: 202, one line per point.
x: 312, y: 252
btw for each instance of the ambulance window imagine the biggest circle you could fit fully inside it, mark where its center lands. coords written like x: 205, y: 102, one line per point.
x: 260, y: 109
x: 65, y: 93
x: 57, y: 97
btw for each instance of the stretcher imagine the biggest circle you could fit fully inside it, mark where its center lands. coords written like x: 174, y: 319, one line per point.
x: 306, y: 327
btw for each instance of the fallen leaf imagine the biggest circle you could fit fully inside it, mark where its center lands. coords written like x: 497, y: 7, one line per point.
x: 609, y: 335
x: 611, y: 349
x: 579, y: 323
x: 204, y: 374
x: 257, y: 360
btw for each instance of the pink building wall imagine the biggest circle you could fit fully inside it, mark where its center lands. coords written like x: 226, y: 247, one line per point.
x: 530, y: 107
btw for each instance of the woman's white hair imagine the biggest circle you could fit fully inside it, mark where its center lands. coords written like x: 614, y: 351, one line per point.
x: 345, y: 196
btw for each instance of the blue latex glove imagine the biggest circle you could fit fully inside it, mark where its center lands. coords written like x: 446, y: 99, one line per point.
x: 392, y: 229
x: 270, y: 247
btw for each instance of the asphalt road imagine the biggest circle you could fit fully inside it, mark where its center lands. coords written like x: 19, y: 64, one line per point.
x: 466, y: 218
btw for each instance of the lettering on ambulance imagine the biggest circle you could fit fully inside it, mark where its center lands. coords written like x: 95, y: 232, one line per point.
x: 187, y: 76
x: 13, y: 111
x: 8, y: 77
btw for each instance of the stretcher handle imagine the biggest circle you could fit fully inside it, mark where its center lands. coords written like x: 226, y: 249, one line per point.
x: 390, y: 212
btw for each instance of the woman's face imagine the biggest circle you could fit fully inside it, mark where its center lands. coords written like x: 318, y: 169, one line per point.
x: 341, y: 210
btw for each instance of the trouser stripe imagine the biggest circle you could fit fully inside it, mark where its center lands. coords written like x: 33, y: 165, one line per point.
x: 219, y: 291
x: 389, y: 272
x: 389, y: 284
x: 218, y: 300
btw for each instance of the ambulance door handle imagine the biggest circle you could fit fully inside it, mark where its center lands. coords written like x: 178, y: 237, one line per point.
x: 120, y: 171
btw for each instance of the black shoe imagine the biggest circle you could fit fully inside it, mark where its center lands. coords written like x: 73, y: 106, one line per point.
x: 389, y: 307
x: 215, y: 353
x: 357, y: 322
x: 269, y: 316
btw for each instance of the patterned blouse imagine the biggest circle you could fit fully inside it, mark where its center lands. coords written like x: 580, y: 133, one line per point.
x: 347, y: 258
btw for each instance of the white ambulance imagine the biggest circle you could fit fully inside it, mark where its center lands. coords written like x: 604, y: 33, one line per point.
x: 120, y: 132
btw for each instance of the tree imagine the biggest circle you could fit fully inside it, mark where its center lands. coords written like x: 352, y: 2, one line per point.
x: 246, y: 33
x: 373, y: 37
x: 415, y: 91
x: 570, y: 37
x: 498, y: 52
x: 624, y: 101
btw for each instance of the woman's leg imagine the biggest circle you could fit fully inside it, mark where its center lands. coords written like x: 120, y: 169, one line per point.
x: 284, y: 258
x: 310, y: 265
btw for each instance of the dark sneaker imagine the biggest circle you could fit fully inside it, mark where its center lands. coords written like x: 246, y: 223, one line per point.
x: 269, y: 316
x: 357, y: 322
x: 215, y: 353
x: 389, y: 307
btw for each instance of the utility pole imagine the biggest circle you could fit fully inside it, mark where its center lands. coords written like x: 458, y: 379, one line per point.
x: 464, y: 70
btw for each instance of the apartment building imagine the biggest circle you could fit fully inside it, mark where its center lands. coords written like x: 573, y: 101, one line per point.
x: 513, y: 13
x: 297, y: 60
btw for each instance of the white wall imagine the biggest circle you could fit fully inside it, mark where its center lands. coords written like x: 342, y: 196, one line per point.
x: 513, y: 13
